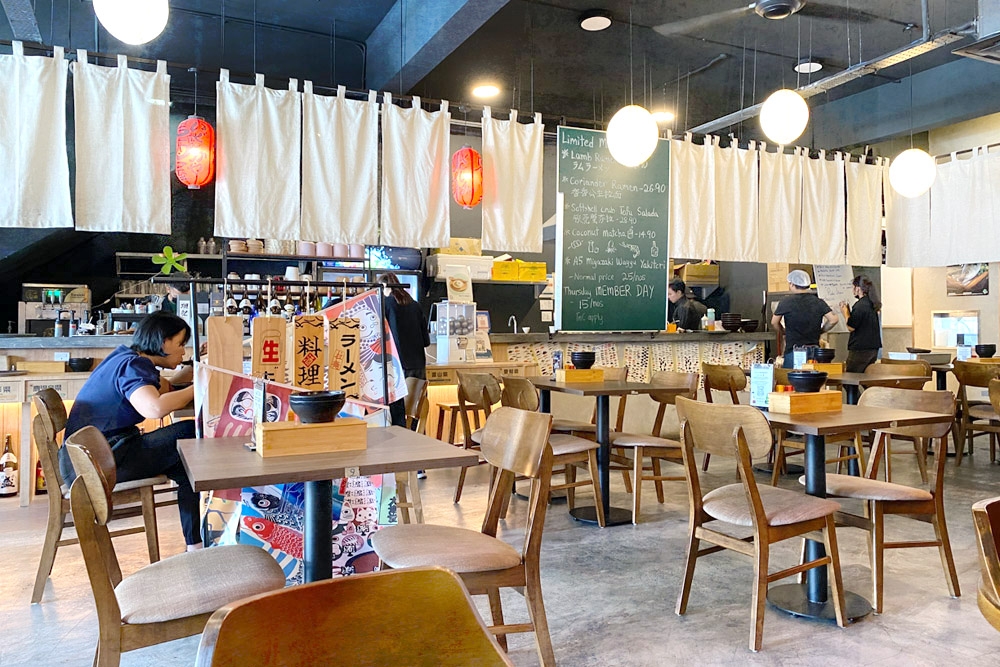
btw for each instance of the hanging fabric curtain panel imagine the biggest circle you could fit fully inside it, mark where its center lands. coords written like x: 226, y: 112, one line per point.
x: 778, y: 235
x: 962, y: 208
x: 122, y: 147
x: 259, y: 154
x: 907, y: 227
x: 33, y: 141
x: 512, y: 183
x: 339, y: 168
x: 864, y: 213
x: 692, y: 199
x: 415, y: 186
x: 736, y: 203
x: 823, y: 210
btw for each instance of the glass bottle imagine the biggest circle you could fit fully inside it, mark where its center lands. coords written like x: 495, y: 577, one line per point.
x: 8, y: 469
x: 202, y: 246
x: 210, y: 247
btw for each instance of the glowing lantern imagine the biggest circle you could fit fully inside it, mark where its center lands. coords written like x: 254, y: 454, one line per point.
x: 467, y: 176
x: 195, y: 152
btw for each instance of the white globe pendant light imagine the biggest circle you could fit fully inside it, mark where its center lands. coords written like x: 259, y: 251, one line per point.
x: 912, y: 173
x: 632, y: 135
x: 784, y: 116
x: 133, y: 21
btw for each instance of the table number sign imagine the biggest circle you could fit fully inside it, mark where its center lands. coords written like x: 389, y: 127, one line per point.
x: 761, y: 384
x: 267, y: 355
x: 308, y: 353
x: 345, y: 350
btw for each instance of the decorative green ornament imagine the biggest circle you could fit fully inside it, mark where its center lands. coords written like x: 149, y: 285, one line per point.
x: 170, y: 261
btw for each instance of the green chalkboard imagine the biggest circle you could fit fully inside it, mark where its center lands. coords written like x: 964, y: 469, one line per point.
x: 611, y: 239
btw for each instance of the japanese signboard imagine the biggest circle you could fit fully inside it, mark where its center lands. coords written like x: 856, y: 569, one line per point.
x: 267, y: 348
x: 345, y: 350
x: 308, y: 353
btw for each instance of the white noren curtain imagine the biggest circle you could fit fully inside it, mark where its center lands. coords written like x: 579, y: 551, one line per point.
x: 692, y: 199
x: 864, y: 214
x: 823, y: 211
x: 780, y: 226
x: 736, y: 204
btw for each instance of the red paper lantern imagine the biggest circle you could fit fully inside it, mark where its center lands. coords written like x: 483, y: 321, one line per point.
x: 467, y: 176
x: 195, y: 152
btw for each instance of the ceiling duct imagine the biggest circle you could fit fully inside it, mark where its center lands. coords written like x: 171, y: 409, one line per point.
x: 987, y: 47
x: 22, y: 20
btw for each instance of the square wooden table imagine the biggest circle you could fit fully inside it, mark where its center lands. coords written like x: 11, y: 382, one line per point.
x: 852, y: 382
x: 225, y: 463
x: 810, y: 599
x: 603, y: 391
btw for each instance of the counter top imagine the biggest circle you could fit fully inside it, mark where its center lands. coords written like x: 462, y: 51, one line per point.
x: 633, y: 337
x: 65, y: 342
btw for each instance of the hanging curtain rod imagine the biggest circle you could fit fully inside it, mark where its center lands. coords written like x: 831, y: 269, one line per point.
x: 946, y: 156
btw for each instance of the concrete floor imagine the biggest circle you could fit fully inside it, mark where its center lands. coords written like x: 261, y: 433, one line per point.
x: 609, y: 594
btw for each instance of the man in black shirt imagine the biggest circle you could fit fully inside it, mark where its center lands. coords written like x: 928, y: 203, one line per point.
x: 802, y: 317
x: 687, y: 312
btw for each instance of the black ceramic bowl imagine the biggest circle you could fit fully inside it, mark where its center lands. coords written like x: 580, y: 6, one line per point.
x: 731, y: 317
x: 807, y: 381
x: 80, y: 364
x: 583, y: 360
x: 824, y: 355
x: 315, y: 407
x: 917, y: 350
x: 986, y: 351
x: 732, y: 325
x: 750, y: 326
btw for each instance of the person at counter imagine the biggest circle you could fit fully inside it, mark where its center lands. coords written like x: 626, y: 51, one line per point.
x: 409, y: 329
x: 126, y: 389
x: 862, y: 321
x: 687, y: 312
x: 802, y: 317
x: 174, y: 293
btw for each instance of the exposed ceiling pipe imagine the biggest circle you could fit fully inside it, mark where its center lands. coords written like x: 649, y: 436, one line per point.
x: 22, y: 20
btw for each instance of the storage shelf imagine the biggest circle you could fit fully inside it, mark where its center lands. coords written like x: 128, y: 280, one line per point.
x: 292, y: 258
x: 500, y: 282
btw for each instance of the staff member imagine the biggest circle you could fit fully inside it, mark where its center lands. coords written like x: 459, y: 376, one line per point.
x: 687, y: 312
x: 862, y: 322
x: 175, y: 291
x: 409, y: 329
x: 802, y: 316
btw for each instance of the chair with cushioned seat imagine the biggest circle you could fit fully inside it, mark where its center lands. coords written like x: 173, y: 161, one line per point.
x: 132, y: 498
x: 887, y: 498
x: 774, y: 514
x: 722, y: 377
x: 972, y: 413
x: 407, y: 485
x: 477, y: 392
x: 986, y: 516
x: 919, y: 371
x: 166, y: 600
x: 517, y: 443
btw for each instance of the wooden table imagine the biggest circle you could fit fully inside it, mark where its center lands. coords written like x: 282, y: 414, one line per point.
x: 810, y: 599
x: 225, y: 463
x: 603, y: 391
x: 851, y: 382
x: 941, y: 375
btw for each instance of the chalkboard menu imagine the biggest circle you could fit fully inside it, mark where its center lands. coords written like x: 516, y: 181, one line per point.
x: 611, y: 243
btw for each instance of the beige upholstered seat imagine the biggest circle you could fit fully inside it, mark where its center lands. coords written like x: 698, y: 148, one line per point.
x: 563, y: 444
x: 781, y: 506
x: 458, y: 549
x: 848, y: 486
x: 983, y: 412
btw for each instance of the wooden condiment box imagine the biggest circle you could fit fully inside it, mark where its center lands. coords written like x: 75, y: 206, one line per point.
x: 580, y: 375
x: 831, y: 368
x: 294, y: 438
x: 978, y: 360
x: 798, y: 402
x: 41, y: 366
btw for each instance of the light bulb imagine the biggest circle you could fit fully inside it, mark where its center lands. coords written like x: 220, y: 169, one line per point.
x: 632, y: 135
x: 912, y: 173
x: 133, y: 21
x: 783, y: 116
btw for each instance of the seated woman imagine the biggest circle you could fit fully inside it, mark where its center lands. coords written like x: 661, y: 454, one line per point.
x: 126, y: 389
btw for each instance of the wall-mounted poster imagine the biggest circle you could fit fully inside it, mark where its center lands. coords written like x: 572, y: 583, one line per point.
x: 968, y: 279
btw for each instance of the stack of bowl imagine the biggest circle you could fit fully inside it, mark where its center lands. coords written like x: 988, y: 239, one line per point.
x: 255, y: 246
x: 749, y: 326
x: 824, y: 355
x: 986, y: 351
x: 583, y: 360
x: 732, y: 321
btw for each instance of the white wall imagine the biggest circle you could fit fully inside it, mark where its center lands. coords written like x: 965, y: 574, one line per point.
x: 969, y: 134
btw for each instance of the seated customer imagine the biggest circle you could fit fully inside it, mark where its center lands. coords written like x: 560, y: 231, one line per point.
x: 126, y: 389
x: 687, y: 312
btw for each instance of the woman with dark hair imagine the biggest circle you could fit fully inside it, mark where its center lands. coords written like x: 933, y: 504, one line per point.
x: 126, y: 389
x: 409, y: 329
x: 863, y: 323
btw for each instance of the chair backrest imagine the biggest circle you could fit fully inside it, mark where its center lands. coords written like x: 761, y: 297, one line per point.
x: 614, y: 373
x: 975, y: 374
x: 688, y: 381
x: 986, y: 516
x: 313, y: 624
x: 907, y: 362
x: 49, y: 405
x: 916, y: 370
x: 995, y: 395
x: 724, y: 377
x: 476, y: 391
x: 519, y: 393
x: 416, y: 404
x: 48, y: 454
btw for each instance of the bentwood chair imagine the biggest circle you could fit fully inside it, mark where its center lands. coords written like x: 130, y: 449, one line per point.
x: 477, y: 392
x: 423, y: 616
x: 515, y: 442
x: 920, y: 372
x: 132, y: 498
x: 887, y: 498
x: 986, y: 515
x: 167, y: 600
x: 407, y: 486
x: 774, y: 514
x: 973, y: 413
x: 722, y: 377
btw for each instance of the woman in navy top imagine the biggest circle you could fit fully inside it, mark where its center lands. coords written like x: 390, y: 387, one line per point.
x: 126, y: 389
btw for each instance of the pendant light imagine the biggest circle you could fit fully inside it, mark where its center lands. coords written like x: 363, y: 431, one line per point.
x: 467, y: 177
x: 133, y: 21
x: 195, y: 147
x: 784, y: 116
x: 632, y: 133
x: 913, y: 171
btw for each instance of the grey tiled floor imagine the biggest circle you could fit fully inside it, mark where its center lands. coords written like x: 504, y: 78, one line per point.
x: 609, y: 594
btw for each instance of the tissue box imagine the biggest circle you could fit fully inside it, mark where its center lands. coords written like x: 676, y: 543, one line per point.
x: 531, y: 271
x: 480, y: 268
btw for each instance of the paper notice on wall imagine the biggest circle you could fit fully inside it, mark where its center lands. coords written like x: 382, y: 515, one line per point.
x: 833, y: 285
x: 546, y: 316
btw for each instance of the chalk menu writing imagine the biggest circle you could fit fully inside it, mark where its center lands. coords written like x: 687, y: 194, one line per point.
x: 611, y: 245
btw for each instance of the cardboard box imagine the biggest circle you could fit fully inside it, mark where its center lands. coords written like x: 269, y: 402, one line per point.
x: 579, y: 375
x: 699, y: 273
x: 531, y: 271
x: 505, y: 271
x: 480, y: 268
x: 777, y: 275
x: 461, y: 246
x: 833, y: 368
x: 294, y: 438
x: 798, y: 402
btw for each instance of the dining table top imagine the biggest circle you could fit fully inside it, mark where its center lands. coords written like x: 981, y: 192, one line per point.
x: 605, y: 387
x: 850, y: 418
x: 225, y: 463
x: 857, y: 379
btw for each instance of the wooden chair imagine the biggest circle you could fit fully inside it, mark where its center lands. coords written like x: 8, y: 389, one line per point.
x: 774, y: 514
x: 920, y: 371
x: 477, y: 392
x: 167, y: 600
x: 654, y: 445
x: 132, y: 498
x: 927, y: 370
x: 417, y: 616
x: 884, y: 498
x: 986, y: 516
x: 516, y: 442
x: 972, y: 413
x: 722, y: 377
x: 407, y: 484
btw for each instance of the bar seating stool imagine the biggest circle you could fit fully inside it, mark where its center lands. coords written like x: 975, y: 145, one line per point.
x: 654, y: 445
x: 774, y: 514
x: 134, y: 498
x: 722, y: 377
x: 477, y: 392
x: 166, y: 600
x: 883, y: 498
x: 407, y: 484
x: 973, y: 413
x: 986, y: 516
x: 515, y: 442
x: 305, y: 624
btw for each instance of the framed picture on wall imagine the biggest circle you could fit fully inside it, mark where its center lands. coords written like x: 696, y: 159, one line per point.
x: 968, y: 279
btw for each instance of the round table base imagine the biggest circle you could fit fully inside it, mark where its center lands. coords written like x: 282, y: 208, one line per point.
x: 614, y: 516
x: 791, y: 598
x: 790, y: 468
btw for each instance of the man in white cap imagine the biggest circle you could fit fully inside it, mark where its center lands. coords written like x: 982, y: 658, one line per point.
x: 802, y: 316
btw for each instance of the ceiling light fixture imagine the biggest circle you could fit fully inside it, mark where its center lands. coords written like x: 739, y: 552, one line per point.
x: 594, y: 20
x: 485, y: 91
x: 784, y: 116
x: 663, y: 117
x: 632, y: 133
x: 133, y: 21
x: 808, y: 66
x: 913, y: 171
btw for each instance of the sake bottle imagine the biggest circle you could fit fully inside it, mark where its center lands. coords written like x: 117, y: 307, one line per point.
x: 8, y: 469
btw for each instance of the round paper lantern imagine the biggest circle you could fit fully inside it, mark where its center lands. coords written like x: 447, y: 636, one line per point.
x: 783, y: 116
x: 912, y: 173
x: 133, y: 21
x: 632, y: 135
x: 467, y: 176
x: 195, y: 152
